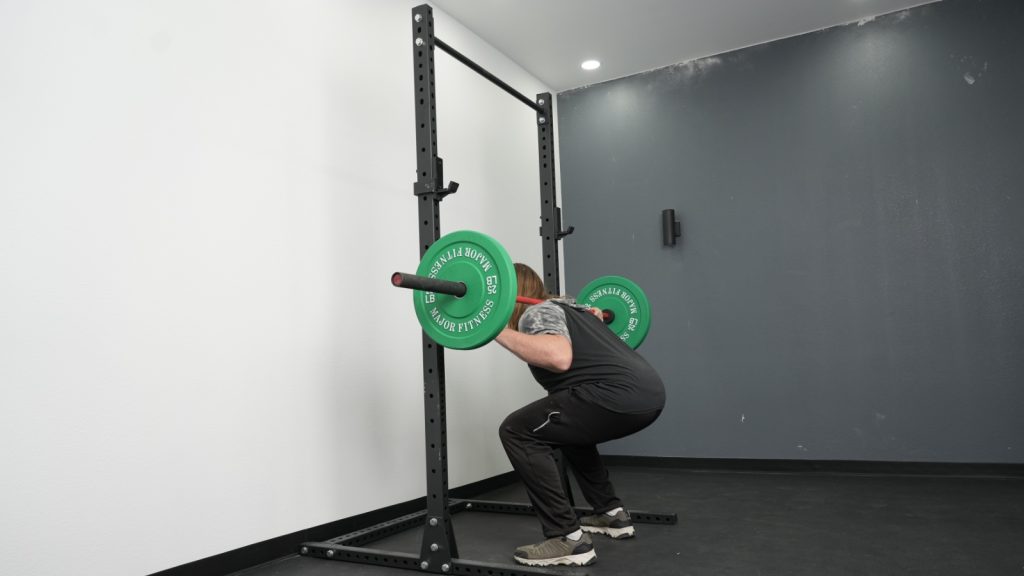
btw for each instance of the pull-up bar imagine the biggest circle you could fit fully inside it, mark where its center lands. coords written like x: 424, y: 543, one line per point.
x: 481, y: 71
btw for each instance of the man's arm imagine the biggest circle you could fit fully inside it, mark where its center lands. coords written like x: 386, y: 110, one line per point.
x: 549, y: 351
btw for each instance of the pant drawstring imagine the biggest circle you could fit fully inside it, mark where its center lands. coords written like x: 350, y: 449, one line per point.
x: 546, y: 422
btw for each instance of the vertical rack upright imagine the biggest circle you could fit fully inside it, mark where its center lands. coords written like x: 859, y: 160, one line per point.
x: 438, y: 546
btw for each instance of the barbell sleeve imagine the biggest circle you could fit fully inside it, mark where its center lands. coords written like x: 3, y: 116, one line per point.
x: 414, y: 282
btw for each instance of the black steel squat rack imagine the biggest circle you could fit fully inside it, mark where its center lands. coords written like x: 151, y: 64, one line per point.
x: 438, y: 550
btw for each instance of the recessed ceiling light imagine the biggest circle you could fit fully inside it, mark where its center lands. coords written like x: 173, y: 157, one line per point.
x: 590, y: 65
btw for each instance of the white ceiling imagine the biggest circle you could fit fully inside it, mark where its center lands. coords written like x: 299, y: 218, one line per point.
x: 549, y: 38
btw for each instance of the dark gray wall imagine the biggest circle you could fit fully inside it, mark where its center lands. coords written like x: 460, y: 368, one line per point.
x: 850, y: 284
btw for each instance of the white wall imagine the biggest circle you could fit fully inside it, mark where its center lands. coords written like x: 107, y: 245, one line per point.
x: 194, y: 198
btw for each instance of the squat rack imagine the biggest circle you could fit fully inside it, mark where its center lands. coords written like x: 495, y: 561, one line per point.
x: 438, y: 549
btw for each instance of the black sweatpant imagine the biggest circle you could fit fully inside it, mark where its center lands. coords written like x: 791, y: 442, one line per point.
x: 565, y: 421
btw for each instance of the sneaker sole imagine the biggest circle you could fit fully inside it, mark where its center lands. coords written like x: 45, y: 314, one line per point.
x: 585, y: 559
x: 614, y: 533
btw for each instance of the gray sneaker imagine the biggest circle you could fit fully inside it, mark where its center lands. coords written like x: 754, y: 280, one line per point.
x: 558, y: 551
x: 618, y: 526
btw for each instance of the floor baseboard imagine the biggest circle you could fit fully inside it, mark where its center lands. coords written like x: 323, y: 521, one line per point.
x: 972, y: 469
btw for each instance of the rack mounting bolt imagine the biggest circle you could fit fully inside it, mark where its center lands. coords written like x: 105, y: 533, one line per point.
x: 469, y: 505
x: 419, y: 41
x: 433, y: 547
x: 418, y: 18
x: 445, y: 567
x: 542, y: 120
x: 330, y: 553
x: 304, y: 551
x: 433, y: 521
x: 540, y: 102
x: 424, y: 565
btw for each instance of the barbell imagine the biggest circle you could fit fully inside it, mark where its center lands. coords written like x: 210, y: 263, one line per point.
x: 458, y: 289
x: 465, y: 292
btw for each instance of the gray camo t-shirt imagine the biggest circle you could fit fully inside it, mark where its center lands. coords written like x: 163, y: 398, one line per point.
x: 546, y: 318
x: 604, y: 370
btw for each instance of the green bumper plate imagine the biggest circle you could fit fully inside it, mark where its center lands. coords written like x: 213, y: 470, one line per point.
x: 624, y: 299
x: 483, y: 265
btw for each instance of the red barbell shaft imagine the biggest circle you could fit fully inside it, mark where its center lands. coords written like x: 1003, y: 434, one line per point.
x: 605, y: 314
x: 525, y: 300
